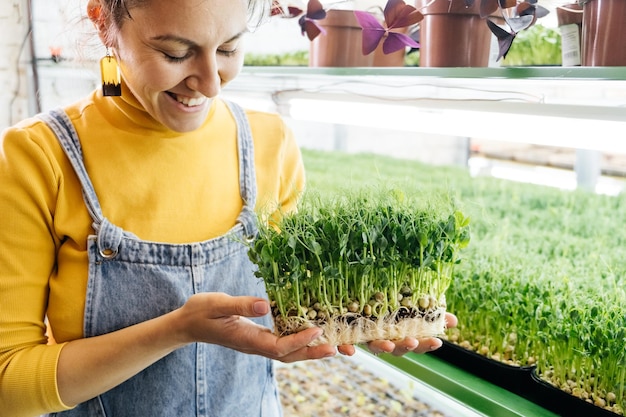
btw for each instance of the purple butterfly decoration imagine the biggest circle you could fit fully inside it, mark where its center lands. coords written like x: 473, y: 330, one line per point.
x: 397, y: 15
x: 527, y: 13
x: 308, y: 25
x: 505, y: 39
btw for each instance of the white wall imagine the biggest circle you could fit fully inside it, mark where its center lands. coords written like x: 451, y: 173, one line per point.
x: 56, y: 23
x: 14, y: 68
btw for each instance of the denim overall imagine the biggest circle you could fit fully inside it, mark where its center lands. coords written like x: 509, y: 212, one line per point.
x: 131, y: 281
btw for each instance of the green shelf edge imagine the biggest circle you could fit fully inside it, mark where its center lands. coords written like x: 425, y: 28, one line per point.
x: 591, y: 73
x: 463, y: 387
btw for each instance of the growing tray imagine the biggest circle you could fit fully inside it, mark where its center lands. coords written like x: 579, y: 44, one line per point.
x: 522, y: 381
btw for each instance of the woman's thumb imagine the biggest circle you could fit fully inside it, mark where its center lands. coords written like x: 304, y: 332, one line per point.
x: 260, y: 308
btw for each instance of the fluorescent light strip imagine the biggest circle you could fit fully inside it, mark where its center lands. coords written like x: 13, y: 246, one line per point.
x: 558, y: 131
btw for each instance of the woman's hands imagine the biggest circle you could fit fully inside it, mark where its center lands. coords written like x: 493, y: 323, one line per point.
x: 222, y: 319
x: 90, y: 366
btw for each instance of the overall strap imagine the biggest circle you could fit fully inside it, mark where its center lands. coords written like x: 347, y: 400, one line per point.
x: 64, y: 130
x: 109, y: 235
x: 247, y: 173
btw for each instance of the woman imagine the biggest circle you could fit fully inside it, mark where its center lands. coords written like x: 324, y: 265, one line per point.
x: 121, y: 223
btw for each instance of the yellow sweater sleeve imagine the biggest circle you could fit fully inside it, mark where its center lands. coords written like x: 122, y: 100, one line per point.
x: 29, y: 181
x: 44, y: 224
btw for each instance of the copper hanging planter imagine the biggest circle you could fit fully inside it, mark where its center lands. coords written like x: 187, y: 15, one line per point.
x: 340, y: 46
x: 604, y: 33
x: 453, y: 35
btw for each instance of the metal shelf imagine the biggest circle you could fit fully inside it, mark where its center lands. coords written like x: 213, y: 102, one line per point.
x: 579, y: 108
x: 579, y: 73
x: 469, y: 390
x: 553, y: 106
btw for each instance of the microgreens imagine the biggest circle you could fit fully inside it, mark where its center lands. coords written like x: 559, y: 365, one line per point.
x: 543, y: 282
x: 359, y: 264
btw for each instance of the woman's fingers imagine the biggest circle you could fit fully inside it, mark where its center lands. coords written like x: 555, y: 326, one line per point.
x: 451, y: 320
x: 296, y: 347
x: 409, y: 344
x: 223, y: 319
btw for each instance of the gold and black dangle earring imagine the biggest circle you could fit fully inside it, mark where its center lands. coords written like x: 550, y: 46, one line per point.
x: 111, y: 77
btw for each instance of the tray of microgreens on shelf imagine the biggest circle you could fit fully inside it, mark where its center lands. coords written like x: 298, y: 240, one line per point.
x: 540, y: 295
x: 364, y: 264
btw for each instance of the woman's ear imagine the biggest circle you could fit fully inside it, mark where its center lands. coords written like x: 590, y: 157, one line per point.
x: 98, y: 16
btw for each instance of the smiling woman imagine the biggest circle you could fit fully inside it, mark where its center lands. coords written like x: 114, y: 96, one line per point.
x: 123, y: 225
x: 127, y: 313
x: 177, y: 62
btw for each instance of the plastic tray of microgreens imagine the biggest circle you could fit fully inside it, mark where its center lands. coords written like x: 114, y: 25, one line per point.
x: 363, y: 265
x: 521, y: 380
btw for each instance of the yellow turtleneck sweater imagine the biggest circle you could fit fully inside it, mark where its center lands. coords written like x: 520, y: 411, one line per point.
x: 158, y: 184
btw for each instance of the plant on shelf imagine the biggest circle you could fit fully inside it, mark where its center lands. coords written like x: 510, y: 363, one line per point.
x: 388, y: 25
x: 518, y: 15
x: 397, y: 24
x: 459, y: 32
x: 397, y: 15
x: 345, y: 34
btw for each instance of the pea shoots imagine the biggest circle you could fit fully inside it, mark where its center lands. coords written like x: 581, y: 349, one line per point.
x: 543, y: 282
x: 365, y: 264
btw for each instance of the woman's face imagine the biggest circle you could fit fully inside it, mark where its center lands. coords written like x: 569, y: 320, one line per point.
x: 176, y: 55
